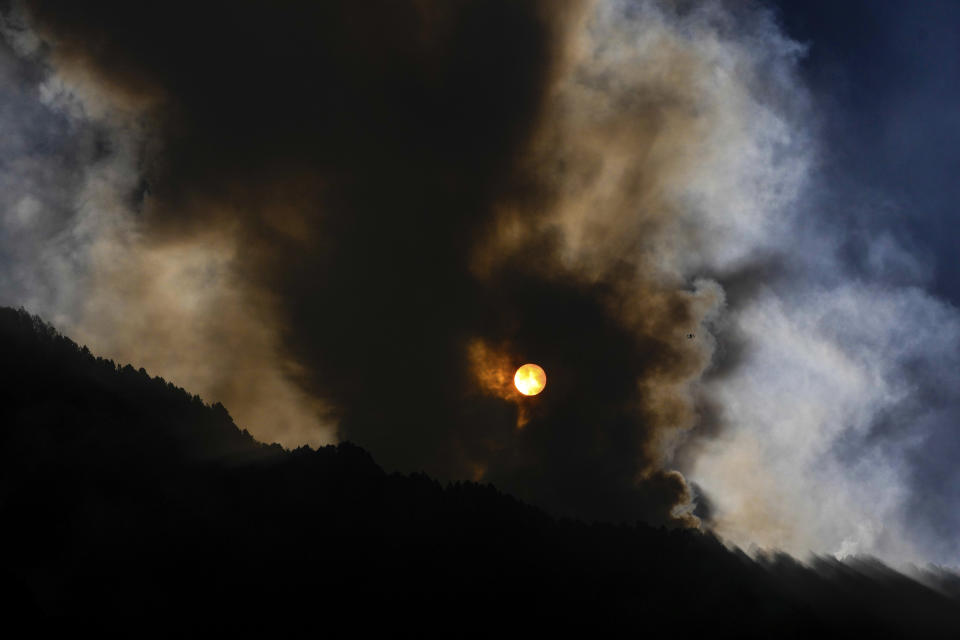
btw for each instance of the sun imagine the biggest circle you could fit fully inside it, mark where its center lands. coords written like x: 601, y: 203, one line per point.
x: 530, y: 379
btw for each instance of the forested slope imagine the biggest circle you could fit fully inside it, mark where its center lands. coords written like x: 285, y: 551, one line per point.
x: 126, y: 501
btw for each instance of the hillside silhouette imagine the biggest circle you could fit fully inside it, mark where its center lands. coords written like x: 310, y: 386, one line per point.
x: 128, y: 503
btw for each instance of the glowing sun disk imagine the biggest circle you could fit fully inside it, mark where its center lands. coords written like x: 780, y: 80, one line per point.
x: 530, y: 379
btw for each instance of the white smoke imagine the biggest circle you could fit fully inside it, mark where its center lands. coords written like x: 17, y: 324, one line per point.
x: 74, y: 250
x: 849, y: 373
x: 688, y: 145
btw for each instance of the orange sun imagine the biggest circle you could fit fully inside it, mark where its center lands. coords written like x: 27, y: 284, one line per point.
x: 530, y: 379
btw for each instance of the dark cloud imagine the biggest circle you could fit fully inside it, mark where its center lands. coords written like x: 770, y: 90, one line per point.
x: 364, y: 153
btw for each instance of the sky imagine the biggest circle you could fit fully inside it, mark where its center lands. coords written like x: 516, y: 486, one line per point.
x: 886, y: 78
x: 353, y: 222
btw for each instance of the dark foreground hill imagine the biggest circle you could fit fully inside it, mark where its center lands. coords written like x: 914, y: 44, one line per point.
x: 127, y: 503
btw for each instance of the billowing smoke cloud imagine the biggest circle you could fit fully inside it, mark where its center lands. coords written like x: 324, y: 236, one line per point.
x: 363, y: 217
x: 341, y: 176
x: 76, y: 248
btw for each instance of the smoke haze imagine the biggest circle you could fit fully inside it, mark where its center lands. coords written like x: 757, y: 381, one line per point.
x: 350, y: 223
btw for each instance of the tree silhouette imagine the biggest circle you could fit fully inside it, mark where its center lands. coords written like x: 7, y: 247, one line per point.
x: 123, y: 497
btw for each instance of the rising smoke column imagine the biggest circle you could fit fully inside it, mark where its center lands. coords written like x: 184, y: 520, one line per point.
x: 684, y: 141
x: 342, y: 168
x: 354, y: 204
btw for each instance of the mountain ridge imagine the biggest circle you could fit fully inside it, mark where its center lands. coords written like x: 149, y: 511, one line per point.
x: 126, y: 498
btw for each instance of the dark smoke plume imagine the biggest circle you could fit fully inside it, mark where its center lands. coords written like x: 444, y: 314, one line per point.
x: 370, y: 161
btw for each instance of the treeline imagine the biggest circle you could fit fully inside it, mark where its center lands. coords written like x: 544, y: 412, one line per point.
x: 54, y: 393
x: 126, y: 502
